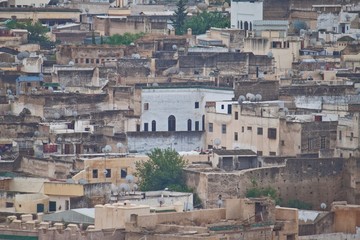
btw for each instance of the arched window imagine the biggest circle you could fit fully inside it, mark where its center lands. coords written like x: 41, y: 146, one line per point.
x: 246, y: 26
x: 171, y: 123
x: 250, y: 26
x: 153, y: 125
x: 189, y: 125
x: 241, y: 25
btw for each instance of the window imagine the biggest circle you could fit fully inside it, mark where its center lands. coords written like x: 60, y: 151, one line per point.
x: 123, y: 172
x: 235, y: 136
x: 259, y: 153
x: 236, y: 115
x: 189, y: 125
x: 146, y: 127
x: 196, y: 104
x: 171, y: 123
x: 146, y: 106
x: 222, y: 106
x: 94, y: 173
x: 223, y: 128
x: 272, y: 153
x: 197, y: 126
x: 310, y: 146
x: 87, y: 60
x: 249, y: 128
x: 272, y: 133
x: 282, y: 143
x: 242, y: 129
x: 211, y: 127
x: 153, y: 125
x: 259, y: 131
x: 108, y: 173
x: 351, y: 136
x: 340, y: 135
x: 323, y: 142
x: 138, y: 127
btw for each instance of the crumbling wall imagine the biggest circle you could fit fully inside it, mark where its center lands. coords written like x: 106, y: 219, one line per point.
x: 311, y: 181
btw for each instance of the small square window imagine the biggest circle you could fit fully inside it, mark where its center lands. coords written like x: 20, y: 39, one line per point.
x: 272, y: 133
x: 94, y: 173
x: 259, y: 131
x: 249, y: 128
x: 282, y: 143
x: 196, y: 104
x: 259, y: 153
x: 272, y: 153
x: 108, y: 173
x: 123, y: 172
x: 146, y: 106
x: 211, y: 127
x: 223, y: 128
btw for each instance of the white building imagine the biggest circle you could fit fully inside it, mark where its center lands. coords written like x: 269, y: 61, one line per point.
x: 178, y: 108
x: 244, y: 12
x: 28, y: 3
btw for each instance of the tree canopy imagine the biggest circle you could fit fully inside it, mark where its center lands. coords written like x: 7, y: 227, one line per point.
x: 162, y: 170
x: 178, y: 20
x: 205, y: 20
x: 125, y: 39
x: 36, y: 31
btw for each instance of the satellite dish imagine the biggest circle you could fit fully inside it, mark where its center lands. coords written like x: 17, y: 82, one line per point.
x: 70, y: 180
x: 286, y: 110
x: 75, y: 113
x: 258, y: 97
x: 107, y: 148
x: 135, y: 187
x: 155, y: 84
x: 33, y: 90
x: 50, y: 89
x: 269, y: 55
x: 119, y: 145
x: 71, y: 63
x: 132, y: 44
x: 114, y: 188
x: 105, y: 172
x: 323, y: 205
x: 174, y: 47
x: 57, y: 115
x: 82, y: 181
x: 250, y: 97
x: 161, y: 201
x: 22, y: 55
x: 217, y: 142
x: 124, y: 188
x: 129, y: 178
x: 241, y: 99
x: 59, y: 139
x: 36, y: 133
x: 135, y: 56
x: 11, y: 97
x: 9, y: 92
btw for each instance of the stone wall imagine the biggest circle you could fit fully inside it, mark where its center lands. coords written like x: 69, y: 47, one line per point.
x: 46, y: 167
x: 269, y: 90
x: 312, y: 181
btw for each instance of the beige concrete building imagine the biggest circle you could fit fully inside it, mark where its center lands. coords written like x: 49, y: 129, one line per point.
x: 268, y: 129
x: 270, y: 38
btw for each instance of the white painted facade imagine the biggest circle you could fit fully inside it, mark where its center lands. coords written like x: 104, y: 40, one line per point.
x: 243, y: 13
x: 186, y: 105
x: 28, y: 3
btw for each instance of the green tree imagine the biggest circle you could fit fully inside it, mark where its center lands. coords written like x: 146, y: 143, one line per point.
x: 255, y: 191
x: 36, y: 32
x: 178, y: 20
x: 205, y: 20
x: 125, y: 39
x: 162, y: 170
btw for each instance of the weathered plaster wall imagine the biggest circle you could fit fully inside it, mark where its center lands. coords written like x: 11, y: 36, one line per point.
x: 309, y: 180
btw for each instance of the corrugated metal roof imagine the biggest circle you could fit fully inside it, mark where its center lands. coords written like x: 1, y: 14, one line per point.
x: 80, y: 215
